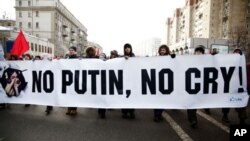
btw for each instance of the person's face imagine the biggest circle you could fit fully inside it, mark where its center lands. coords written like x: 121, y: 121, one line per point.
x: 72, y: 52
x: 163, y: 51
x: 26, y: 57
x: 15, y: 78
x: 128, y: 50
x: 198, y: 53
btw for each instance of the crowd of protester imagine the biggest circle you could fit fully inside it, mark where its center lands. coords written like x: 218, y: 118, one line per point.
x: 127, y: 53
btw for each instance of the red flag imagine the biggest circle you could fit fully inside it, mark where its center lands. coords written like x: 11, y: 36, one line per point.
x: 20, y: 45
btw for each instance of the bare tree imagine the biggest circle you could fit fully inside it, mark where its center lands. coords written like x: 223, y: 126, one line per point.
x: 239, y: 38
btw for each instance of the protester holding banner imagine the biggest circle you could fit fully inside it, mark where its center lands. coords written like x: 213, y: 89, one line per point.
x: 225, y: 111
x: 128, y: 52
x: 48, y: 108
x: 113, y: 54
x: 72, y: 55
x: 191, y: 113
x: 241, y: 111
x: 101, y: 111
x: 248, y: 77
x: 163, y: 51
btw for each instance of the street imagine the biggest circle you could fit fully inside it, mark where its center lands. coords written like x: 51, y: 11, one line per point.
x: 19, y: 123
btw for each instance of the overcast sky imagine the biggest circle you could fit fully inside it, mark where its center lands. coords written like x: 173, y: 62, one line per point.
x: 111, y: 23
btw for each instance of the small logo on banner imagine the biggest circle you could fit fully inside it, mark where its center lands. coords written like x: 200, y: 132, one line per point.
x: 239, y: 132
x: 13, y: 82
x: 235, y: 99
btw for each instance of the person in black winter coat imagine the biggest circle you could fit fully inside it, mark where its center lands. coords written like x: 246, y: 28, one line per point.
x: 128, y: 52
x: 72, y: 55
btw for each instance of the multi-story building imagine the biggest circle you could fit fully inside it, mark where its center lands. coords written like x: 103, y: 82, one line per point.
x: 7, y: 23
x: 212, y: 19
x: 51, y: 19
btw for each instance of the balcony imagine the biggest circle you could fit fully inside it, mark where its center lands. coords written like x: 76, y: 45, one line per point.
x: 73, y: 31
x: 64, y: 25
x: 73, y: 38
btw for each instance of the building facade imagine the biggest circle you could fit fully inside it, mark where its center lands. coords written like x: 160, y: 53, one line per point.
x: 212, y: 19
x: 7, y: 23
x: 51, y: 19
x: 37, y: 46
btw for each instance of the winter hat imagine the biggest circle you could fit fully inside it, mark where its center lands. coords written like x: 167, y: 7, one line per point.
x: 127, y: 45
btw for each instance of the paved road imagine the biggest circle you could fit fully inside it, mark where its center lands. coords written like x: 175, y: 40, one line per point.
x: 31, y: 124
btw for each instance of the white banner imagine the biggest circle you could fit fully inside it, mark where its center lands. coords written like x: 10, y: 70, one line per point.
x: 199, y: 81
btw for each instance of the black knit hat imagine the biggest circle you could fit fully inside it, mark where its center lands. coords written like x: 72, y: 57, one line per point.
x: 127, y: 45
x: 73, y: 47
x: 237, y: 50
x: 200, y: 48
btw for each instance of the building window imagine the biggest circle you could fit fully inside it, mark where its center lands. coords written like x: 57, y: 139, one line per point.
x: 29, y: 3
x: 35, y: 47
x: 20, y: 24
x: 29, y: 24
x: 20, y: 3
x: 20, y: 14
x: 37, y: 13
x: 42, y: 48
x: 32, y: 47
x: 39, y: 48
x: 200, y: 16
x: 37, y: 24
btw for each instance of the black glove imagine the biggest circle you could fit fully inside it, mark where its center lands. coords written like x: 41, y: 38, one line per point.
x: 172, y: 55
